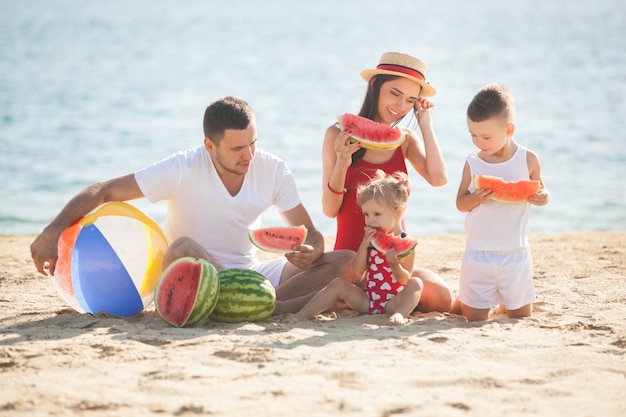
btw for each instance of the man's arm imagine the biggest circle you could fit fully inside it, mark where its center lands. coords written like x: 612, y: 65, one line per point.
x: 313, y: 248
x: 44, y: 249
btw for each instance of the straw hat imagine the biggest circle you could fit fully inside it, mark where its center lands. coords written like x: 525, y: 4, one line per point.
x: 402, y: 65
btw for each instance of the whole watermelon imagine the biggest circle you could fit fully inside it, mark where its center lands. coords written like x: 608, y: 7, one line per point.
x: 245, y: 295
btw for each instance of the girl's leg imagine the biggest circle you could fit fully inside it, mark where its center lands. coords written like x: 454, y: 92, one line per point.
x: 436, y: 294
x: 401, y: 306
x: 338, y: 290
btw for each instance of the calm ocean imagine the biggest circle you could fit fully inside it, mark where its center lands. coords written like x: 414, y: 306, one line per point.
x: 93, y: 90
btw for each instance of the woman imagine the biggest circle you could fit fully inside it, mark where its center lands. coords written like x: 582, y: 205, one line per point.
x: 396, y: 87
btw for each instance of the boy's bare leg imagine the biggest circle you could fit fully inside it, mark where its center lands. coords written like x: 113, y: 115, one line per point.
x: 526, y: 311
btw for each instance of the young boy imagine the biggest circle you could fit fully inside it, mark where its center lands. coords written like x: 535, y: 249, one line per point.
x: 497, y: 264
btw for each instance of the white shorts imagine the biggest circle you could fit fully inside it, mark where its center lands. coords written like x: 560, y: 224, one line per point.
x: 272, y: 269
x: 490, y: 278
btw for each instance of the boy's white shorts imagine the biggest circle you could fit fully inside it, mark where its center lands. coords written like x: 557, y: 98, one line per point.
x: 490, y: 278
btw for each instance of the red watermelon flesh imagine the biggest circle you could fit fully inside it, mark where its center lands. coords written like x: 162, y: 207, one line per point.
x: 510, y: 192
x: 187, y: 292
x: 278, y: 239
x: 384, y: 242
x: 372, y: 135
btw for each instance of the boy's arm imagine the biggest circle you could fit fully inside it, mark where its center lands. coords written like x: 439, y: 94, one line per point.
x: 465, y: 200
x: 534, y: 171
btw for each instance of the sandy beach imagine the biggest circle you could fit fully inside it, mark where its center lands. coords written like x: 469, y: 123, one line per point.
x: 567, y: 360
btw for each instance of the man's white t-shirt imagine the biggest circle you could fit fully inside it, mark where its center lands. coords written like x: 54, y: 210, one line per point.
x: 200, y: 207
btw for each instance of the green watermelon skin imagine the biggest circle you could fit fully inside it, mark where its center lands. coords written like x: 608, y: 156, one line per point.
x: 245, y: 295
x: 187, y: 292
x: 371, y: 134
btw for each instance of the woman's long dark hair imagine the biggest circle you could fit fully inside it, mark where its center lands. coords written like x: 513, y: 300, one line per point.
x: 370, y: 105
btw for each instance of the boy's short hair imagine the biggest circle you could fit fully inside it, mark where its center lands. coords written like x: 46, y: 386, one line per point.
x: 226, y: 113
x: 492, y: 101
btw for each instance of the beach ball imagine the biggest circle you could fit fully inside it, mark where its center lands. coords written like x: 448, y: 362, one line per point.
x: 110, y: 260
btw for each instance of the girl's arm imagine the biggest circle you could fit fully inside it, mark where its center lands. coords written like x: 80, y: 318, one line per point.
x: 401, y: 268
x: 426, y: 158
x: 359, y: 263
x: 336, y: 158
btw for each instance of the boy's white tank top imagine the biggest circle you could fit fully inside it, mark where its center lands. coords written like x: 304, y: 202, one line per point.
x: 496, y: 226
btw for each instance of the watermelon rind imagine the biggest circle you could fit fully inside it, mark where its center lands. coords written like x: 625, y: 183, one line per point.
x: 245, y: 296
x: 278, y: 239
x: 203, y: 301
x: 507, y: 192
x: 370, y: 134
x: 384, y: 242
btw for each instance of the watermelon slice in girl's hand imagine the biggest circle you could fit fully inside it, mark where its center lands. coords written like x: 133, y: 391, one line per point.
x: 278, y: 239
x: 372, y: 135
x: 384, y: 242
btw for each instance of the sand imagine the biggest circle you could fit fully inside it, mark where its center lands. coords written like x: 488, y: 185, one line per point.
x: 567, y: 360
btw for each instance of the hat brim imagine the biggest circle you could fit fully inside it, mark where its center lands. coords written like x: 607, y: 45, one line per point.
x: 426, y: 91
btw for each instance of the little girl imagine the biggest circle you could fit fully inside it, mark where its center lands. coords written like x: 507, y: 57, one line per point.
x: 389, y: 287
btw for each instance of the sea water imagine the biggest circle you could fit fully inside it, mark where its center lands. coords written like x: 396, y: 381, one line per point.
x: 94, y: 90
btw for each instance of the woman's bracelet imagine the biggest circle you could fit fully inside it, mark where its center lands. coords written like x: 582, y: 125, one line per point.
x: 335, y: 192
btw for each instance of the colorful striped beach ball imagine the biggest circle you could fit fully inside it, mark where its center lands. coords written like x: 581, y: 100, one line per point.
x: 110, y: 260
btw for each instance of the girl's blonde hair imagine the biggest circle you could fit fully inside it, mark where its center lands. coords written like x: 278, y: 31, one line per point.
x: 390, y: 190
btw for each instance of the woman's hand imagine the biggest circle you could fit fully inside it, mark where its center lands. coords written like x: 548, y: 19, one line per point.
x: 424, y: 110
x: 345, y: 148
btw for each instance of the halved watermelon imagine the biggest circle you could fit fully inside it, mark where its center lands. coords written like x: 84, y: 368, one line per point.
x: 187, y: 292
x: 278, y: 239
x: 384, y: 242
x: 509, y: 192
x: 372, y: 135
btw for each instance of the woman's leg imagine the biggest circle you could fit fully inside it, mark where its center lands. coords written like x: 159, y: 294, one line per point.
x: 436, y: 294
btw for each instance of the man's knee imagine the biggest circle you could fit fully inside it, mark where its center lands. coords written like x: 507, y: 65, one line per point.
x: 184, y: 246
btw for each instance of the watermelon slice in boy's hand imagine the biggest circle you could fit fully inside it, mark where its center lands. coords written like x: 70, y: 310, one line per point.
x: 510, y: 192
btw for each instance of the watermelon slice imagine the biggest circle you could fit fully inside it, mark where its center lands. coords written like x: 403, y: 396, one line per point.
x: 372, y: 135
x: 384, y: 242
x: 509, y: 192
x: 278, y: 239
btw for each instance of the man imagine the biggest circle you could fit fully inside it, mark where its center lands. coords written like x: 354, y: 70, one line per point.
x: 216, y: 193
